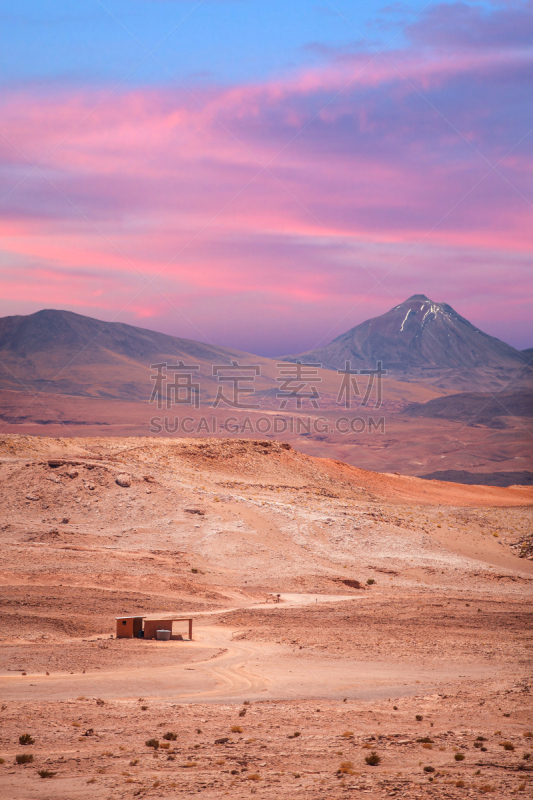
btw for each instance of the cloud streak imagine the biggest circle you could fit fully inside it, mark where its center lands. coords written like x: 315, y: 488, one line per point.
x: 295, y: 196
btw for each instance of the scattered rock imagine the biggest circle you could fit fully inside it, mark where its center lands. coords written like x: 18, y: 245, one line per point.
x: 73, y: 473
x: 32, y: 497
x: 123, y: 479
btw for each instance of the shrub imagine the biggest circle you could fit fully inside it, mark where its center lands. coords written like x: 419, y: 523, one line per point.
x: 26, y: 738
x: 507, y: 745
x: 152, y: 743
x: 459, y: 757
x: 170, y: 737
x: 236, y: 729
x: 373, y: 759
x: 242, y: 712
x: 234, y: 772
x: 348, y: 734
x: 134, y: 762
x: 427, y: 746
x: 253, y: 777
x: 164, y: 745
x: 24, y: 758
x: 460, y: 784
x: 528, y: 735
x: 419, y: 717
x: 429, y: 769
x: 2, y: 761
x: 371, y: 581
x: 346, y: 768
x: 45, y: 773
x: 190, y: 764
x: 195, y: 571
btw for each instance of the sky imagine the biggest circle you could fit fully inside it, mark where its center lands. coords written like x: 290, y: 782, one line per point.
x: 266, y: 175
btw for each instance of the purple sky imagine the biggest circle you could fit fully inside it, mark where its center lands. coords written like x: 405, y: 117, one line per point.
x: 273, y: 203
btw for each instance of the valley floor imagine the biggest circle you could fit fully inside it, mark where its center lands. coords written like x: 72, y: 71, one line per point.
x: 403, y: 628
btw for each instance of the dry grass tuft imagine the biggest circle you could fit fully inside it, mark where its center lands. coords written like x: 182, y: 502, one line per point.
x: 373, y: 759
x: 45, y: 773
x: 346, y: 768
x: 506, y: 745
x: 26, y: 738
x: 24, y: 758
x: 253, y: 777
x: 236, y: 729
x: 348, y: 734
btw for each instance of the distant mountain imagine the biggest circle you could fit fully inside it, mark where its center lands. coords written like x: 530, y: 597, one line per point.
x: 415, y: 337
x: 523, y: 478
x: 62, y: 352
x: 528, y: 354
x: 476, y: 408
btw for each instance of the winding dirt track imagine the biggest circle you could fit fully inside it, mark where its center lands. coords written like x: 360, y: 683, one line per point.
x: 229, y: 670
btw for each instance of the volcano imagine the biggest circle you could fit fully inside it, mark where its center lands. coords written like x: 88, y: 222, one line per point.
x: 417, y: 335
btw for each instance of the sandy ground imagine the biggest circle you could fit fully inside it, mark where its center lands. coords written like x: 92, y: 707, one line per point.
x: 404, y: 626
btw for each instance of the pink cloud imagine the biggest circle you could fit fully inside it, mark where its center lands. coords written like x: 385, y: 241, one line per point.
x: 296, y: 196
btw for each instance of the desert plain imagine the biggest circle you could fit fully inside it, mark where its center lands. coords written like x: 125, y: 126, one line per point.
x: 397, y: 662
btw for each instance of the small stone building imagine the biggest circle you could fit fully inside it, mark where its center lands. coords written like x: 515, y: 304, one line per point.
x: 143, y: 628
x: 129, y: 627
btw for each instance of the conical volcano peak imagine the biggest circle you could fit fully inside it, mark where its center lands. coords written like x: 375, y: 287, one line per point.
x: 418, y: 334
x: 421, y: 297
